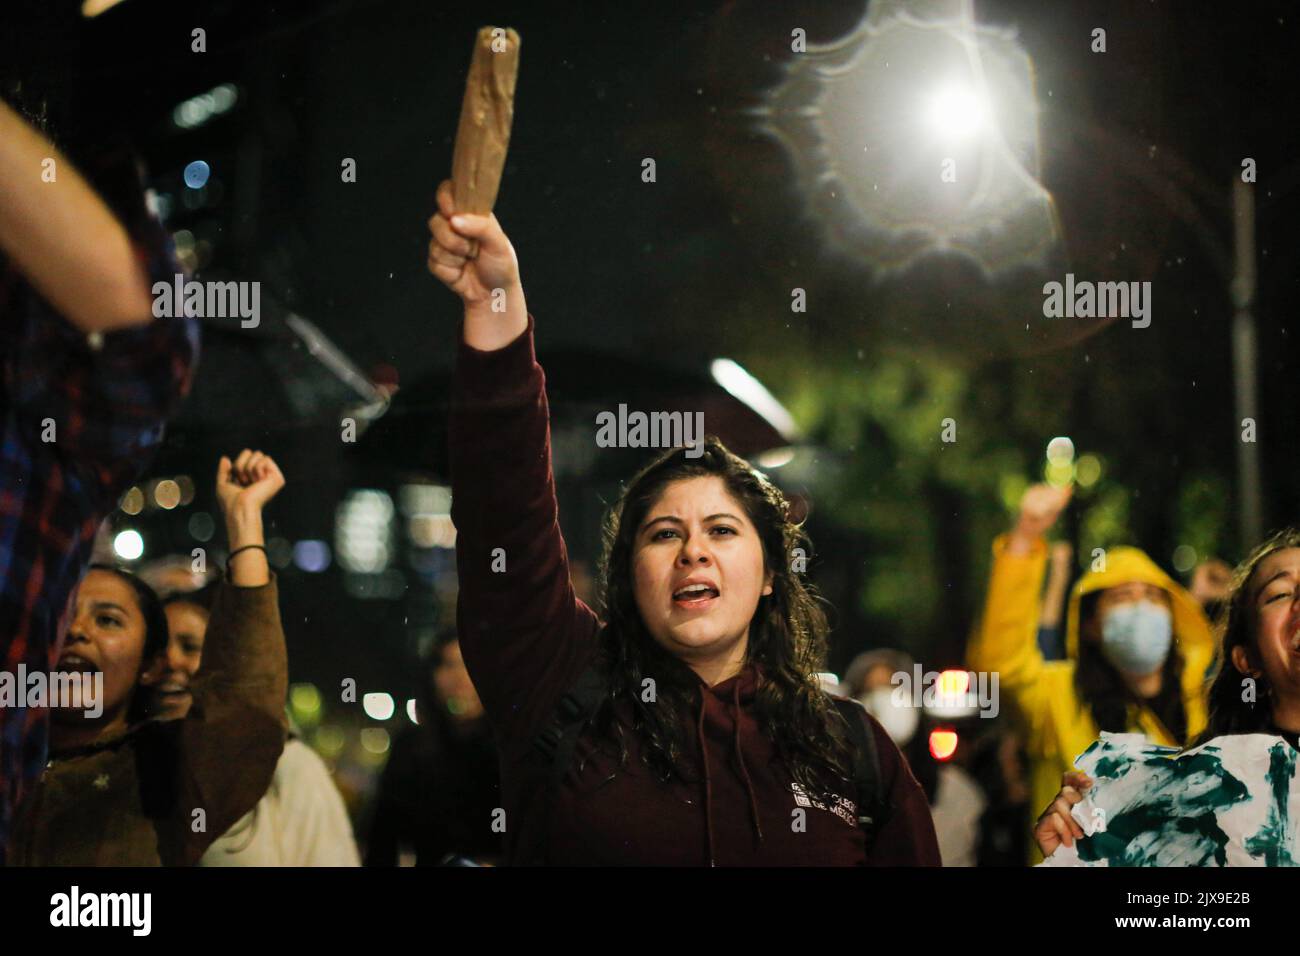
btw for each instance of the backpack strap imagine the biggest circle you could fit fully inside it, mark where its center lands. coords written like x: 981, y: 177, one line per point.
x: 557, y: 740
x: 866, y: 766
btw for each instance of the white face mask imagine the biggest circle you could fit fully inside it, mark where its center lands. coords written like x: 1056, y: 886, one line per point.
x: 1136, y: 637
x: 900, y: 722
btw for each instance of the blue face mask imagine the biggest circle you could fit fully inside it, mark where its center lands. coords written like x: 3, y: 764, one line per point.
x: 1135, y: 638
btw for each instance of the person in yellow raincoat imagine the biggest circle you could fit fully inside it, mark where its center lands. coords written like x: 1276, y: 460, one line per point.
x: 1137, y: 649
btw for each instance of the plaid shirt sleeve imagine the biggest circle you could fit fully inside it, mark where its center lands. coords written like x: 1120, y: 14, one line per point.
x: 81, y: 420
x: 100, y: 406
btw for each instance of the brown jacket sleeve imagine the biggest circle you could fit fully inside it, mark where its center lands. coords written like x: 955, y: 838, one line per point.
x: 907, y: 837
x: 228, y: 746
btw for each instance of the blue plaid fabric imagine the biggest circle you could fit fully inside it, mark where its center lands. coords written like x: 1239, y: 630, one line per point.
x: 104, y: 404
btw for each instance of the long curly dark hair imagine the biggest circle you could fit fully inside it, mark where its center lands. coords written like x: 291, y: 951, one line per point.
x: 787, y: 635
x: 1229, y: 714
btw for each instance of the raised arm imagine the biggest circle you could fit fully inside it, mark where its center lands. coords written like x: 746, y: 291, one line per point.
x: 525, y: 635
x: 230, y: 742
x: 95, y: 405
x: 80, y: 418
x: 62, y: 236
x: 1006, y: 638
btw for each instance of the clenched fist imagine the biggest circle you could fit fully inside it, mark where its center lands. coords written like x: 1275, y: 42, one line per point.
x: 1040, y: 506
x: 244, y: 486
x: 472, y: 273
x: 247, y: 483
x: 484, y: 273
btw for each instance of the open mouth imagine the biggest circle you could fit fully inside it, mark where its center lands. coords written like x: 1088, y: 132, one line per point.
x: 695, y: 596
x: 75, y: 664
x: 173, y: 688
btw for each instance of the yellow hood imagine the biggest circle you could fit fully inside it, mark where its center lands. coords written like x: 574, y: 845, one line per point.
x: 1192, y: 631
x: 1056, y: 724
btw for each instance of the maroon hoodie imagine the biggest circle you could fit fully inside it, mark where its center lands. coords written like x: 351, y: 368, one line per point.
x: 527, y: 638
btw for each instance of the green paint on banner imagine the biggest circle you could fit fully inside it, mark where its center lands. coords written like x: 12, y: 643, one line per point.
x: 1274, y: 839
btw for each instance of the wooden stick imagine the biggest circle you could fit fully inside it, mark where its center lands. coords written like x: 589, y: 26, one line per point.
x: 483, y: 135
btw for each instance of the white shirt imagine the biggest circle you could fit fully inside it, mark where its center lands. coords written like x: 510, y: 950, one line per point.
x: 300, y: 821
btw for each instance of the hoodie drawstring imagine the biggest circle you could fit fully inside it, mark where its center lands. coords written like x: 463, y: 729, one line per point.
x: 708, y: 780
x: 744, y: 771
x: 708, y: 784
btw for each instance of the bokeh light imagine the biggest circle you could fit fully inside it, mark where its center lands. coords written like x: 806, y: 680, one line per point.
x: 1087, y: 471
x: 305, y: 701
x: 129, y: 545
x: 943, y: 743
x: 311, y: 555
x: 196, y: 174
x: 1060, y: 449
x: 1184, y: 558
x: 133, y: 501
x: 167, y: 494
x: 201, y: 526
x: 378, y: 706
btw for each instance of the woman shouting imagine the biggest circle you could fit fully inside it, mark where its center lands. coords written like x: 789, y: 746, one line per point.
x: 688, y: 728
